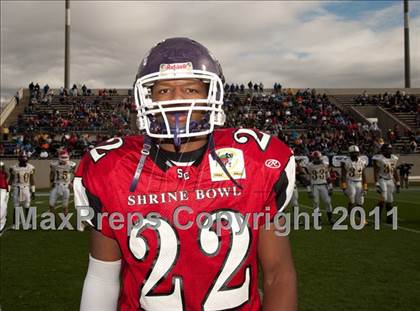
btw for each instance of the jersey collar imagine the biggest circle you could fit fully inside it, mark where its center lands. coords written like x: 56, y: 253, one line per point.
x: 165, y: 159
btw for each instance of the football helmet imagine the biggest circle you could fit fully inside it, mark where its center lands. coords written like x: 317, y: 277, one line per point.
x: 179, y: 58
x: 354, y: 148
x: 22, y: 159
x: 354, y: 152
x: 386, y: 150
x: 63, y: 156
x: 316, y: 157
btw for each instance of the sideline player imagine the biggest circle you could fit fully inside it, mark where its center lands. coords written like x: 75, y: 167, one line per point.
x: 320, y: 187
x: 183, y: 162
x: 404, y: 169
x: 353, y: 178
x: 4, y: 196
x: 61, y: 176
x: 22, y: 181
x: 385, y: 172
x: 295, y: 196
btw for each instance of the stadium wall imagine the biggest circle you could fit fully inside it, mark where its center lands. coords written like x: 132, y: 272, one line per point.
x: 385, y: 119
x: 370, y: 91
x: 8, y: 108
x: 42, y: 169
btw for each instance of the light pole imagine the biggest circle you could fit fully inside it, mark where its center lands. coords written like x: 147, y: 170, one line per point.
x: 67, y: 48
x: 406, y: 47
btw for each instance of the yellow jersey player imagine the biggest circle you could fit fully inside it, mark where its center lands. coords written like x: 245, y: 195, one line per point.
x: 320, y: 186
x: 61, y: 176
x: 353, y: 178
x: 22, y: 181
x: 385, y: 174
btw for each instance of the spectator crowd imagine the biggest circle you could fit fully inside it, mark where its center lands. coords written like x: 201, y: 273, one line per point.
x: 306, y: 120
x: 76, y: 119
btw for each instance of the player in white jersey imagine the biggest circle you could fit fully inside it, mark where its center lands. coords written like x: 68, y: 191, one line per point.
x: 385, y: 173
x: 61, y: 176
x: 295, y: 196
x: 23, y: 185
x: 320, y: 186
x: 353, y: 178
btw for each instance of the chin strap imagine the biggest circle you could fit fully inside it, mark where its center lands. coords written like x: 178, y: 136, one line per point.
x: 176, y: 131
x: 217, y: 159
x: 144, y: 153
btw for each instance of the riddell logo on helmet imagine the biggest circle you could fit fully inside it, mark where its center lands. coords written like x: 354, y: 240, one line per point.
x: 176, y: 66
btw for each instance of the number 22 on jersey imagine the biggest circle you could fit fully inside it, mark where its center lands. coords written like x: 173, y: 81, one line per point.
x: 219, y: 294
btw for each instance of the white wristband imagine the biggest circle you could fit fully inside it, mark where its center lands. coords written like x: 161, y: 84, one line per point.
x: 102, y: 286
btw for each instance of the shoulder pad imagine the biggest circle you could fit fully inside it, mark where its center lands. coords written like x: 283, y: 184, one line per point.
x: 101, y: 160
x: 254, y: 143
x: 377, y: 157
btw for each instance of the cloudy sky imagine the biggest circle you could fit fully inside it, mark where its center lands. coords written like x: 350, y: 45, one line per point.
x: 300, y: 44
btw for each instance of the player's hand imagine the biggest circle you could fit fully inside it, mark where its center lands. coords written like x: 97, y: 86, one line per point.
x: 33, y: 195
x: 343, y: 186
x: 378, y: 188
x: 365, y: 189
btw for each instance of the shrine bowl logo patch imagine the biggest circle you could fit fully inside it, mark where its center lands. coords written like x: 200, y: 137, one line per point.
x: 232, y: 159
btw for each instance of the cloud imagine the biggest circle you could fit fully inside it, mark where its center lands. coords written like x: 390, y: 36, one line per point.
x: 300, y: 44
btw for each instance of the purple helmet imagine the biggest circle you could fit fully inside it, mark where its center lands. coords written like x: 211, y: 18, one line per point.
x: 179, y: 58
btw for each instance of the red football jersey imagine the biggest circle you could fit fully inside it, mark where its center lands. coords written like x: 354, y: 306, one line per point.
x: 171, y: 260
x: 3, y: 180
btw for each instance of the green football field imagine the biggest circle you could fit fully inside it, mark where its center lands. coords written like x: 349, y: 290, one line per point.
x: 364, y: 269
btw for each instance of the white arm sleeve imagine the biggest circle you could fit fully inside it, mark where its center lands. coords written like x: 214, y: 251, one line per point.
x: 102, y: 286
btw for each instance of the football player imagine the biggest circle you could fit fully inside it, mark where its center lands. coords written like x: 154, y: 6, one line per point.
x: 182, y: 161
x: 61, y: 175
x: 385, y: 173
x: 300, y: 177
x: 320, y: 187
x: 353, y: 178
x: 22, y: 181
x: 4, y: 196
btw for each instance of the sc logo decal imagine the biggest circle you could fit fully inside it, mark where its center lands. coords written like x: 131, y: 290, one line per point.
x: 272, y: 163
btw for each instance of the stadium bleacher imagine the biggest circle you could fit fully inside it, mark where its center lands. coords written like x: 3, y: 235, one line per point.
x: 47, y: 119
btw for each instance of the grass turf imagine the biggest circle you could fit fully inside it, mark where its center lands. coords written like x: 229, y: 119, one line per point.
x: 349, y: 270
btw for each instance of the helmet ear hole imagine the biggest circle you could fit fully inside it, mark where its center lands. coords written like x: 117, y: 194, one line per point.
x: 219, y: 118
